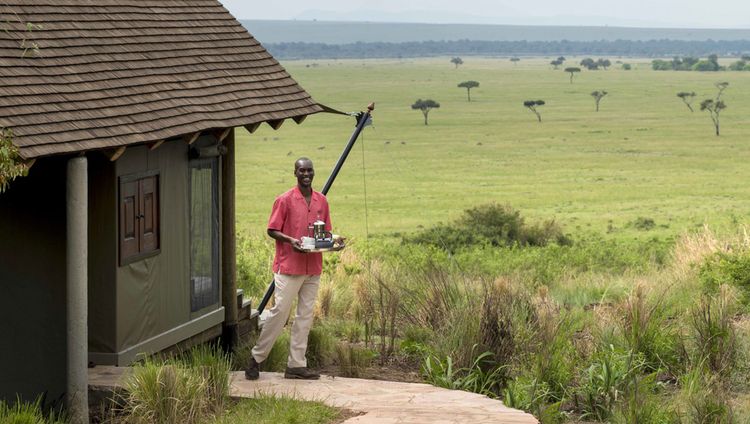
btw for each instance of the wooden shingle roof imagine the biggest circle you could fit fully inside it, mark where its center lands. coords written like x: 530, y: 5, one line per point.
x: 78, y: 75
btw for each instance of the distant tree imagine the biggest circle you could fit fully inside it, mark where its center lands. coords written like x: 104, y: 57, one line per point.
x: 739, y: 65
x: 721, y: 86
x: 716, y: 105
x: 515, y: 60
x: 425, y: 106
x: 561, y: 59
x: 598, y: 95
x: 714, y: 108
x: 687, y: 98
x: 457, y: 61
x: 532, y: 105
x: 572, y: 71
x: 746, y: 57
x: 556, y: 63
x: 12, y: 165
x: 626, y: 67
x: 468, y: 85
x: 706, y: 66
x: 589, y: 64
x: 604, y: 63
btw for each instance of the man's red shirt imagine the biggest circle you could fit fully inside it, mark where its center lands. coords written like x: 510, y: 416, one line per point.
x: 292, y: 215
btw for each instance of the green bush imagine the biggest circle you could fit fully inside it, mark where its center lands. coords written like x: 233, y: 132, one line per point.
x: 732, y: 269
x: 493, y: 224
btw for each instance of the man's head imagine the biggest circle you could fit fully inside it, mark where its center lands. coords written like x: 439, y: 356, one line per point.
x: 304, y: 171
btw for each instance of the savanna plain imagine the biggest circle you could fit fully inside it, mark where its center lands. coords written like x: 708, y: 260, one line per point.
x: 594, y: 266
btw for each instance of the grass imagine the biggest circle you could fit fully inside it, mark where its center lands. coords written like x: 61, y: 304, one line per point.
x: 622, y: 315
x: 642, y: 158
x: 268, y: 409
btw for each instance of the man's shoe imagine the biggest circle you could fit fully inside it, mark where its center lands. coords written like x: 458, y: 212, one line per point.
x: 301, y: 373
x: 252, y: 372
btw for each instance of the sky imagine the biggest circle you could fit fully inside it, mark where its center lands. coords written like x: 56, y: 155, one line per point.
x: 633, y: 13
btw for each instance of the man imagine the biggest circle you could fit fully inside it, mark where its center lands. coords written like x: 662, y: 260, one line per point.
x: 296, y: 273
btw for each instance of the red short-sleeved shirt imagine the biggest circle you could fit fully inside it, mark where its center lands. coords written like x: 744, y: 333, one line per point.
x: 291, y: 215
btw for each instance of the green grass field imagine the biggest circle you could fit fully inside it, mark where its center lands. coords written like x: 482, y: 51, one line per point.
x: 642, y: 155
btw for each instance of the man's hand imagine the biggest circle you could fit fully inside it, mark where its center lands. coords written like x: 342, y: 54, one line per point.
x: 297, y: 245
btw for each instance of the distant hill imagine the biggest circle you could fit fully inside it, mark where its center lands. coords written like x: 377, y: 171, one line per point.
x: 274, y: 32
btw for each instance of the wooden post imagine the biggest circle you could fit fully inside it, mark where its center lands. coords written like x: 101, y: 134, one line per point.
x: 229, y: 246
x: 77, y: 399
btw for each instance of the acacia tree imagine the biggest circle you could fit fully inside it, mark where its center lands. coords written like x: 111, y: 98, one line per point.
x: 572, y: 71
x: 11, y: 163
x: 687, y: 98
x: 532, y: 105
x: 457, y: 61
x: 598, y: 95
x: 425, y: 106
x: 468, y: 85
x: 515, y: 60
x: 714, y: 108
x: 716, y: 105
x: 556, y: 63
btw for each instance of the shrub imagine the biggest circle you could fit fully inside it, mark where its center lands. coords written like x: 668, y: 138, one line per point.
x: 353, y: 359
x: 184, y: 390
x: 713, y: 333
x: 728, y: 268
x: 475, y: 378
x: 164, y: 393
x: 320, y: 346
x: 492, y: 224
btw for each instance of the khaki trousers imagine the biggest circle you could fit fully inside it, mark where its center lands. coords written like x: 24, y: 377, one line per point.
x: 289, y: 287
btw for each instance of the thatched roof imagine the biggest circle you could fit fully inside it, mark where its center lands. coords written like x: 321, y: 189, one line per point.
x: 79, y: 75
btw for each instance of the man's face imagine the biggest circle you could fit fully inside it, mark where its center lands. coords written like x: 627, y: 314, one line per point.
x: 303, y: 170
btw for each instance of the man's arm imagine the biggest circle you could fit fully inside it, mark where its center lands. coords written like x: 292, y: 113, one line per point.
x: 278, y: 235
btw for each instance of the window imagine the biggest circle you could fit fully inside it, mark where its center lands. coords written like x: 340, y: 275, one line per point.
x: 204, y: 233
x: 139, y: 217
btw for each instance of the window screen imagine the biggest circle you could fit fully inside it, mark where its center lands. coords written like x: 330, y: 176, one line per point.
x: 204, y: 233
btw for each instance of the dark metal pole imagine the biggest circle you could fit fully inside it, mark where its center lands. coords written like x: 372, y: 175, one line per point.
x: 362, y: 119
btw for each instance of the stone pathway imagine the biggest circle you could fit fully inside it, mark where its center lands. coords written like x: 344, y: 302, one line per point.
x: 380, y: 402
x: 386, y: 402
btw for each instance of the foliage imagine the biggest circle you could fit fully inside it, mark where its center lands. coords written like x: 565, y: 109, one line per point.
x: 714, y: 335
x: 627, y: 67
x: 254, y: 260
x: 443, y: 373
x: 598, y: 95
x: 270, y: 409
x: 714, y: 109
x: 572, y: 70
x: 727, y: 268
x: 532, y: 105
x: 515, y: 59
x: 687, y: 98
x: 493, y: 224
x: 21, y: 412
x: 321, y: 345
x: 435, y: 48
x: 353, y: 359
x: 425, y: 106
x: 11, y: 163
x: 457, y: 61
x: 468, y: 85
